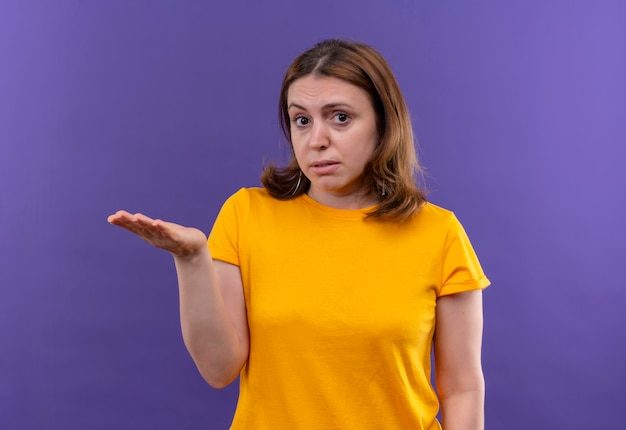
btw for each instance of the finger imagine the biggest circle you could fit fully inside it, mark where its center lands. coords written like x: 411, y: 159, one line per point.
x: 142, y: 220
x: 137, y: 223
x: 154, y: 231
x: 123, y: 219
x: 163, y: 229
x: 121, y: 214
x: 161, y: 225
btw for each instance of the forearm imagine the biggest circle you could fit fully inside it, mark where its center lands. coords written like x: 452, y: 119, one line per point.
x: 208, y: 330
x: 212, y: 305
x: 464, y: 410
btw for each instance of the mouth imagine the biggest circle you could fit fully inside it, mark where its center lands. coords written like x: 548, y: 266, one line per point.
x: 323, y: 163
x: 324, y: 167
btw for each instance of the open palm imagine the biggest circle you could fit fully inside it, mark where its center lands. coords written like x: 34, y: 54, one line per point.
x: 179, y: 240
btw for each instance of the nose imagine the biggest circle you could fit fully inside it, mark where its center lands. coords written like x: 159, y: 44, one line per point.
x: 319, y: 137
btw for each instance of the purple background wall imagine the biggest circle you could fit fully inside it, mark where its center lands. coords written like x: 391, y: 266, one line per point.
x: 169, y: 107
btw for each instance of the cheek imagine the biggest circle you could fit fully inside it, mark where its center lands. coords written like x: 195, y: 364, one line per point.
x: 295, y: 146
x: 298, y: 152
x: 370, y: 142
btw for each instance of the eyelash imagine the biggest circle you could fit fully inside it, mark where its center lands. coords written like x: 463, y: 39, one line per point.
x: 347, y: 117
x: 296, y: 120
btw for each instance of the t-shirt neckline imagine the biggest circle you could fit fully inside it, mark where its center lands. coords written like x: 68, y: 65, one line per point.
x: 335, y: 212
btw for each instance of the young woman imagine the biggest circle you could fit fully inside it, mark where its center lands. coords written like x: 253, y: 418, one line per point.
x: 327, y: 289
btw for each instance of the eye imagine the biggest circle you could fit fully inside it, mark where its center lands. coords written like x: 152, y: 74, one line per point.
x: 341, y: 118
x: 300, y: 121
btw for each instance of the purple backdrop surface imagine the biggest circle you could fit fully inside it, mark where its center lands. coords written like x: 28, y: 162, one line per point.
x: 169, y: 107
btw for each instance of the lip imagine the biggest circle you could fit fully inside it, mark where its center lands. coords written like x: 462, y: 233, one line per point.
x: 324, y: 167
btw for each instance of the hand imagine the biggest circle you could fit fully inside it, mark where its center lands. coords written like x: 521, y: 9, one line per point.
x: 178, y: 240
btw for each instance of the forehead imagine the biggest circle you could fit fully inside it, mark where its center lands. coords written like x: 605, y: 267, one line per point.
x: 325, y: 90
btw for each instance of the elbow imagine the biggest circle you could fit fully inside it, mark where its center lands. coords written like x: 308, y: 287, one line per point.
x: 218, y: 385
x: 217, y: 382
x: 218, y: 379
x: 468, y: 383
x: 218, y: 366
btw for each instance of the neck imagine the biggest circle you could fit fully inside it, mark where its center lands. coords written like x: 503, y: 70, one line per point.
x: 348, y: 202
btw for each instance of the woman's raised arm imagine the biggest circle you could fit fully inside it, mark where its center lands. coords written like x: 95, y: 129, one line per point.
x: 212, y: 305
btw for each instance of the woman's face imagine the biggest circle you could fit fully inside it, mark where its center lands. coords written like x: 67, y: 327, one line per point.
x: 333, y: 133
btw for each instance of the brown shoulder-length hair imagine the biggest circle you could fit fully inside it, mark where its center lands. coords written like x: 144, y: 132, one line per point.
x: 393, y: 170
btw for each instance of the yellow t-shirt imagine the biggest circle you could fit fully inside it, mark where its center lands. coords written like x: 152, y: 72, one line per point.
x: 341, y: 311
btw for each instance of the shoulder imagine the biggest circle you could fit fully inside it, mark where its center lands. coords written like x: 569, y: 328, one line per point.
x: 253, y: 198
x: 432, y: 214
x: 435, y: 222
x: 248, y: 194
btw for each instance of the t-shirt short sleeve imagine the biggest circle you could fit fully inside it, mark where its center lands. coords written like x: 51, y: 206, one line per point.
x: 223, y: 241
x: 461, y: 270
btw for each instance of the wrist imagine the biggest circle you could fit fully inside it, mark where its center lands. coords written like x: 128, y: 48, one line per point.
x: 191, y: 256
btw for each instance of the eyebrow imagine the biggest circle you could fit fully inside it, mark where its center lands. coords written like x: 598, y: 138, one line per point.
x: 325, y: 107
